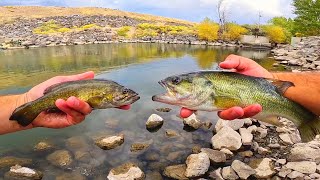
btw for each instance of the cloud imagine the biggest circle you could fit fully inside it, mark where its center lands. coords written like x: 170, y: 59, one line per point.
x: 240, y: 11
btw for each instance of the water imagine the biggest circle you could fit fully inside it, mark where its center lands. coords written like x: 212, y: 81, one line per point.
x: 137, y: 66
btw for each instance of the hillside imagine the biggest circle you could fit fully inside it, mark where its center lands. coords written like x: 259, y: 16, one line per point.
x: 9, y: 13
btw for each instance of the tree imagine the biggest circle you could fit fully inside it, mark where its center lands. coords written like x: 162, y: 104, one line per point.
x: 286, y: 24
x: 307, y: 21
x: 208, y: 30
x: 222, y: 15
x: 275, y: 33
x: 233, y: 32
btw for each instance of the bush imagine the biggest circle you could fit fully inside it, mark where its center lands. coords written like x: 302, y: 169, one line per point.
x: 123, y: 31
x: 208, y: 30
x: 64, y: 30
x: 275, y: 33
x: 47, y: 28
x: 233, y: 32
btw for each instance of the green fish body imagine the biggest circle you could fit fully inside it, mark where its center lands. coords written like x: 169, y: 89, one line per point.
x: 99, y: 94
x: 219, y: 90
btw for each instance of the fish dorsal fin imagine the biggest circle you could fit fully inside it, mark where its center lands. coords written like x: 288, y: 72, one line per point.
x: 52, y: 88
x: 281, y: 86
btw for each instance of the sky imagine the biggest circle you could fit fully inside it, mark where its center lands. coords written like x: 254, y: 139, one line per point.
x: 239, y: 11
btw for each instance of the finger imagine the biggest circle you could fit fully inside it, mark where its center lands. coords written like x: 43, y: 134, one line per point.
x: 252, y: 110
x: 73, y: 116
x: 234, y: 62
x: 125, y: 107
x: 85, y: 75
x: 231, y: 113
x: 184, y: 112
x: 78, y: 105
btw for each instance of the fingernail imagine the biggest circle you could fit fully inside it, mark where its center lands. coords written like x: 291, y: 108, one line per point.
x: 75, y: 101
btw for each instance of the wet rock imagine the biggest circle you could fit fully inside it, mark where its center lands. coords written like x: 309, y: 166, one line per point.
x: 60, y: 158
x: 135, y: 147
x: 126, y: 171
x: 71, y: 176
x: 246, y: 136
x: 242, y: 169
x: 264, y: 167
x: 43, y: 146
x: 171, y: 133
x: 234, y: 124
x: 246, y: 153
x: 295, y: 175
x: 226, y: 138
x: 153, y: 176
x: 197, y: 165
x: 11, y: 161
x: 192, y: 121
x: 154, y: 121
x: 152, y: 156
x: 306, y: 167
x: 229, y: 173
x: 305, y: 152
x: 175, y: 171
x: 19, y: 172
x: 165, y: 109
x: 285, y: 138
x: 76, y: 142
x: 110, y: 142
x: 174, y: 155
x: 214, y: 155
x: 82, y: 156
x: 216, y: 174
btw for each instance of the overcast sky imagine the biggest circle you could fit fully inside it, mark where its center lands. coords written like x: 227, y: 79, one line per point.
x: 240, y: 11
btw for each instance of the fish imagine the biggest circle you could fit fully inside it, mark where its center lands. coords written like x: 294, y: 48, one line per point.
x: 98, y: 93
x: 219, y: 90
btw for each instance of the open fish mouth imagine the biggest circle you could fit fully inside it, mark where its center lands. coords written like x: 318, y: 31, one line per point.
x: 170, y: 89
x: 169, y: 97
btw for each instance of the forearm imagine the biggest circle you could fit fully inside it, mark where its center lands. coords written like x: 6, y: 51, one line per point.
x: 306, y: 90
x: 8, y: 105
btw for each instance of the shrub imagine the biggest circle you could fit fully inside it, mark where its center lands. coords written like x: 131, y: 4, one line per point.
x: 208, y: 30
x: 233, y: 32
x: 64, y: 30
x: 123, y: 31
x: 275, y: 33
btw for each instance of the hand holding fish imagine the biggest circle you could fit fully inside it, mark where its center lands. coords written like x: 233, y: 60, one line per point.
x: 240, y: 65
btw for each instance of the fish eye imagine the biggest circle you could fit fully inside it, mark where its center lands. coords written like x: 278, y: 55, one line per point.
x: 125, y: 91
x: 176, y: 80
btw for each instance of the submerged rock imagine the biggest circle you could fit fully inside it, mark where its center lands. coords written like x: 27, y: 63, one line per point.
x: 226, y: 138
x: 19, y: 172
x: 135, y: 147
x: 197, y: 165
x: 71, y: 176
x: 175, y: 171
x: 110, y: 142
x: 192, y: 121
x: 154, y: 121
x: 128, y: 171
x: 43, y: 146
x: 165, y: 109
x: 11, y: 161
x: 60, y: 158
x: 215, y: 156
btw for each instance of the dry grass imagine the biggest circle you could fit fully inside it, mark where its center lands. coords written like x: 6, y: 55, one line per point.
x: 9, y: 13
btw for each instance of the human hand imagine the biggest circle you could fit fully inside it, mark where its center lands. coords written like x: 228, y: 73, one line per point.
x: 73, y: 110
x: 240, y: 65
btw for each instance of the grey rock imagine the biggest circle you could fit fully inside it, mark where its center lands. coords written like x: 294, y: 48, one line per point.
x: 284, y: 172
x: 60, y: 158
x: 246, y: 136
x: 234, y: 124
x: 229, y: 173
x: 192, y: 121
x: 109, y: 142
x: 214, y: 155
x: 19, y: 172
x: 197, y: 165
x: 216, y: 174
x: 154, y: 121
x: 175, y: 171
x: 305, y: 152
x: 242, y: 169
x: 226, y: 138
x: 264, y: 167
x: 126, y: 171
x: 306, y: 167
x: 286, y: 138
x: 295, y: 174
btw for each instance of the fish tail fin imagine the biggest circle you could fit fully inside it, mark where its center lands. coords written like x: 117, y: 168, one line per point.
x: 24, y: 115
x: 308, y: 130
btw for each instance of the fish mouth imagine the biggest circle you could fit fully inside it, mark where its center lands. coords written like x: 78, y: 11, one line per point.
x: 169, y: 97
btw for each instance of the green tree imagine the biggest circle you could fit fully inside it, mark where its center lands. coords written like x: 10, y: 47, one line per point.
x: 307, y: 21
x: 286, y: 24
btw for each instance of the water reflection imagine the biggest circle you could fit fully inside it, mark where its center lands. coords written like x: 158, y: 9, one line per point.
x: 25, y: 68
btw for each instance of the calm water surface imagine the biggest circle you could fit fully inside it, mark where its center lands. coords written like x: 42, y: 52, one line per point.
x: 137, y: 66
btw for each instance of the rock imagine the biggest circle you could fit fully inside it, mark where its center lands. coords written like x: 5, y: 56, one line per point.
x: 263, y: 151
x: 216, y: 174
x: 176, y: 171
x: 111, y: 142
x: 197, y: 165
x: 43, y: 146
x: 152, y: 156
x: 227, y: 152
x: 262, y: 132
x: 247, y: 121
x: 252, y: 128
x: 174, y: 155
x: 127, y: 171
x: 274, y: 146
x: 305, y: 152
x: 60, y: 158
x: 285, y: 138
x: 153, y: 176
x: 234, y: 124
x: 242, y: 169
x: 226, y: 138
x: 264, y: 167
x: 82, y: 156
x: 306, y: 167
x: 171, y: 133
x: 214, y: 155
x: 246, y: 153
x: 229, y: 173
x: 284, y: 172
x: 281, y: 162
x: 76, y: 142
x: 19, y: 172
x: 11, y: 161
x: 295, y: 174
x: 192, y: 121
x: 207, y: 124
x: 154, y: 121
x: 165, y: 109
x: 135, y: 147
x: 196, y: 149
x: 246, y: 136
x: 71, y: 176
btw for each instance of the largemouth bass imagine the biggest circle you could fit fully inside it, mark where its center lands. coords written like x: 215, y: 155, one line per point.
x: 219, y: 90
x: 99, y: 94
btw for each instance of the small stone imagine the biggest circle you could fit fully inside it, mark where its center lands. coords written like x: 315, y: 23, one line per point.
x: 234, y: 124
x: 175, y: 171
x: 197, y: 165
x: 314, y: 176
x: 285, y: 138
x: 126, y: 171
x: 263, y: 151
x: 111, y: 142
x: 284, y: 172
x: 216, y: 174
x: 192, y: 121
x: 196, y: 149
x: 242, y: 169
x: 246, y: 136
x: 19, y: 172
x: 9, y: 161
x: 252, y: 128
x: 306, y: 167
x: 165, y: 109
x: 174, y: 155
x: 60, y: 158
x: 227, y: 152
x: 171, y: 133
x: 207, y: 124
x: 281, y: 161
x: 262, y: 132
x: 135, y: 147
x: 264, y: 167
x: 43, y: 146
x: 154, y: 121
x: 304, y: 152
x: 226, y: 138
x: 247, y: 121
x: 214, y: 155
x: 274, y: 146
x: 295, y: 174
x: 246, y: 153
x: 229, y: 173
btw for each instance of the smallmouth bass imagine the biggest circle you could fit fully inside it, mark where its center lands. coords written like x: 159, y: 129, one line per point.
x: 98, y: 93
x: 219, y: 90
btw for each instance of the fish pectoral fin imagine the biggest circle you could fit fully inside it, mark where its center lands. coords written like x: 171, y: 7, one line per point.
x: 273, y: 120
x: 281, y: 86
x: 95, y: 101
x: 226, y: 102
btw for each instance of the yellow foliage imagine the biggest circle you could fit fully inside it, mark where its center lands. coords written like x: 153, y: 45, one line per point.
x: 155, y: 29
x: 233, y: 32
x: 89, y: 26
x: 123, y: 31
x: 64, y: 30
x: 49, y: 27
x: 275, y: 33
x: 208, y: 30
x: 145, y: 33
